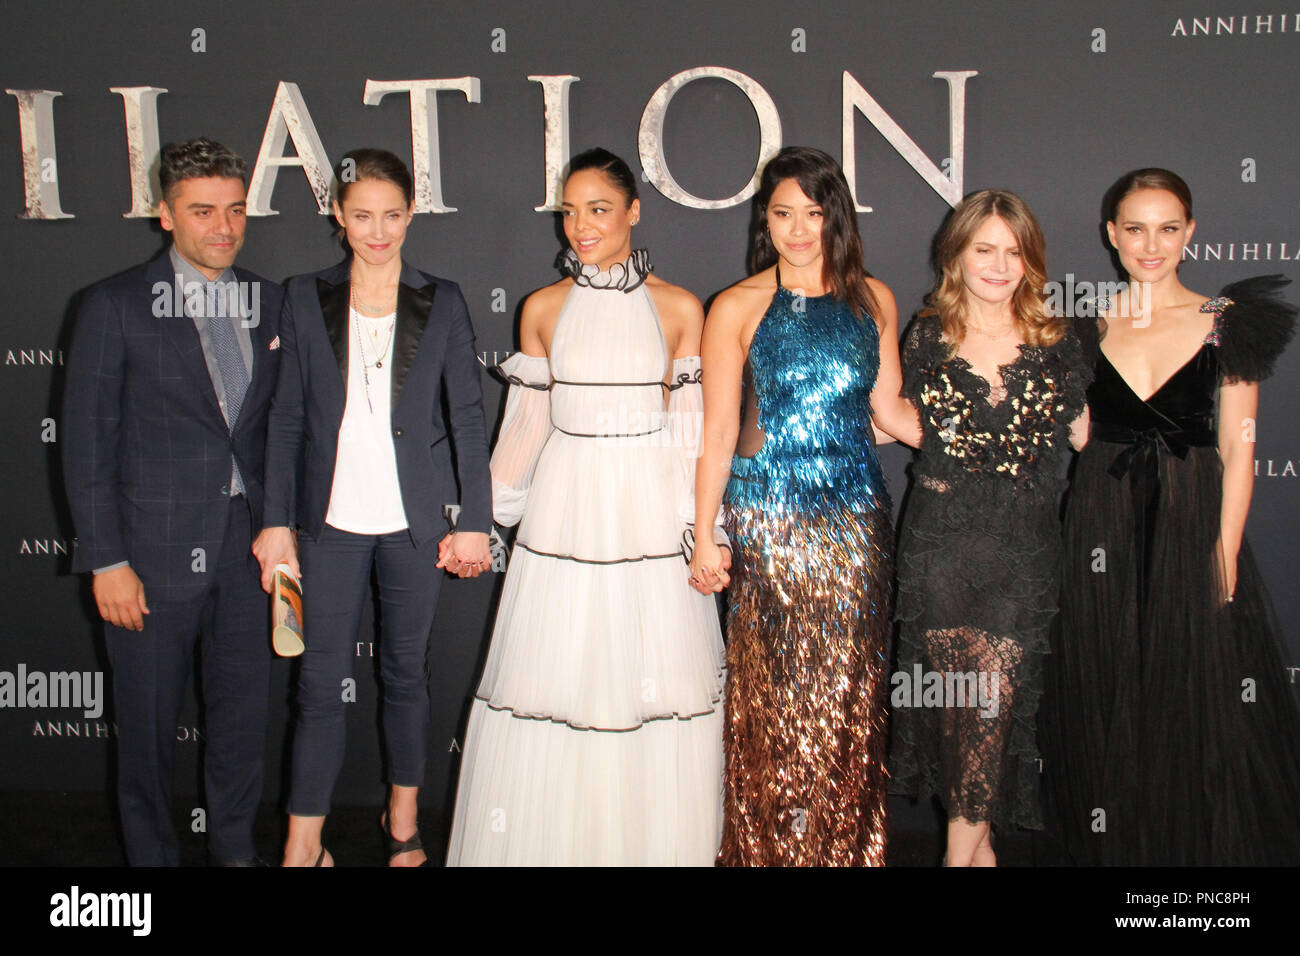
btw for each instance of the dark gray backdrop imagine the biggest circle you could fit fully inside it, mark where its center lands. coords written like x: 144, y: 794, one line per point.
x: 1058, y: 110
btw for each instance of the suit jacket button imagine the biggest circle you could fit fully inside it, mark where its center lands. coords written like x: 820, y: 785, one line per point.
x: 225, y: 489
x: 397, y: 433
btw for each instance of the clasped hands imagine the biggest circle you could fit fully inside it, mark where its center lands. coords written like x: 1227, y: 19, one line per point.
x: 709, y: 566
x: 466, y: 554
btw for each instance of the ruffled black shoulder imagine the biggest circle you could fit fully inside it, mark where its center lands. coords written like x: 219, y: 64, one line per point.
x: 923, y: 351
x: 1078, y: 351
x: 1252, y: 325
x: 1087, y: 330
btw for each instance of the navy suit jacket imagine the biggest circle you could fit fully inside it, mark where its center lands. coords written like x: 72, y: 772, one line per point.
x: 146, y: 450
x: 433, y: 347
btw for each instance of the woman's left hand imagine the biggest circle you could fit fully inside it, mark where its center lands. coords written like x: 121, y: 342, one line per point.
x: 1228, y: 568
x: 466, y: 554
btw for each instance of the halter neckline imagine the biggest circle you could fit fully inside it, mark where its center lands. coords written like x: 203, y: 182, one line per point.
x: 780, y: 287
x: 621, y: 276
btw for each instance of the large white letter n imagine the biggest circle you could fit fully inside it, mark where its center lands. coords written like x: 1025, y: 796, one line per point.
x: 948, y: 186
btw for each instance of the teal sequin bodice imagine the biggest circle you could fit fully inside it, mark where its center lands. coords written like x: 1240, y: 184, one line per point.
x: 813, y: 364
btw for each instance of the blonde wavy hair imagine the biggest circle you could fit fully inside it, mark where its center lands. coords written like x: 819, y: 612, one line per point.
x: 948, y: 298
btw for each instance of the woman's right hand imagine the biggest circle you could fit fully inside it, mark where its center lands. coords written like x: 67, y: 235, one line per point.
x: 275, y: 546
x: 709, y: 567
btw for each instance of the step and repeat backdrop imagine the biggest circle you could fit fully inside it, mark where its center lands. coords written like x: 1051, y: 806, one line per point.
x: 922, y: 101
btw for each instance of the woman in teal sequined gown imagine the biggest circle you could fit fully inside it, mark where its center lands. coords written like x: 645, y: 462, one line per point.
x: 808, y: 346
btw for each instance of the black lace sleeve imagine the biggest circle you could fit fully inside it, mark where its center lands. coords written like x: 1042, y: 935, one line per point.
x: 1253, y: 327
x: 1079, y: 350
x: 922, y: 351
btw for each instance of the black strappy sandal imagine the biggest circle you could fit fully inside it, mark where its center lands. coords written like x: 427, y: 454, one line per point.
x: 396, y: 847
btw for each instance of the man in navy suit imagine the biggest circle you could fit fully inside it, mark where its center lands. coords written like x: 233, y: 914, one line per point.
x: 169, y: 383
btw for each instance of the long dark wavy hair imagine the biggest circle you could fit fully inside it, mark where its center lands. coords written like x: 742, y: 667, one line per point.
x: 822, y: 181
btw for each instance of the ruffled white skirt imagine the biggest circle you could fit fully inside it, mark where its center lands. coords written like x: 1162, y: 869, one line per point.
x: 596, y: 733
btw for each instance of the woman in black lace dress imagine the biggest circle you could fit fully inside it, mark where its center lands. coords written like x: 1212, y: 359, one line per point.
x: 1169, y: 733
x: 1000, y: 387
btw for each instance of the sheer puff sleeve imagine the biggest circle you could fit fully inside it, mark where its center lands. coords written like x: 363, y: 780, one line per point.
x: 685, y: 418
x: 1252, y: 326
x: 524, y: 431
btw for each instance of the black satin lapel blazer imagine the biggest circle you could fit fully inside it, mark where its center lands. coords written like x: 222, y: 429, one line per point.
x: 434, y: 354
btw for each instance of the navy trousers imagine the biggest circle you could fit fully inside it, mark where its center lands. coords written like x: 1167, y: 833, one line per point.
x: 336, y: 584
x: 229, y: 621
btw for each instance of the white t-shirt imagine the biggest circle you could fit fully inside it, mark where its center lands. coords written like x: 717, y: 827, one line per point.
x: 366, y: 497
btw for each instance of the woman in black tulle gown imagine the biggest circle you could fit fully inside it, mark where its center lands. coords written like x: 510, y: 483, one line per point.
x: 1000, y: 386
x: 1170, y: 734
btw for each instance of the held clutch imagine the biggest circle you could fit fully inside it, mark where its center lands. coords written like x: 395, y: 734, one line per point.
x: 286, y: 613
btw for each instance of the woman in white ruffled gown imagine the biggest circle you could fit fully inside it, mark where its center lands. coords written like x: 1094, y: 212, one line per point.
x: 595, y: 736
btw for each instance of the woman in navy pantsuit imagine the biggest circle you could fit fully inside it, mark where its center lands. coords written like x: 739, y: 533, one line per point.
x: 358, y: 460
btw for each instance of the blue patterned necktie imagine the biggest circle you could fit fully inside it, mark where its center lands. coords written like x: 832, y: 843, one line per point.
x: 230, y: 361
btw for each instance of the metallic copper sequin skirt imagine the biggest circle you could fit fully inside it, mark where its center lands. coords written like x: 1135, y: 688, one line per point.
x: 807, y: 653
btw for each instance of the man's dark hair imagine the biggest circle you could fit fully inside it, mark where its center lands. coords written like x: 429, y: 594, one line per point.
x: 196, y: 159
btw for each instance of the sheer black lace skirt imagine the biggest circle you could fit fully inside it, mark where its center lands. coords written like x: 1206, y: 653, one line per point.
x: 978, y: 577
x: 1170, y: 732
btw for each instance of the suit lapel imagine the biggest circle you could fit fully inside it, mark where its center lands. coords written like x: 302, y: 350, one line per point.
x: 334, y: 309
x: 259, y: 336
x: 414, y: 304
x: 180, y: 331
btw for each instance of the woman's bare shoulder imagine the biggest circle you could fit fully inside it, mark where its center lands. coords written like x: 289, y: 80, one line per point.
x: 674, y: 302
x: 752, y: 293
x: 548, y: 298
x: 881, y: 292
